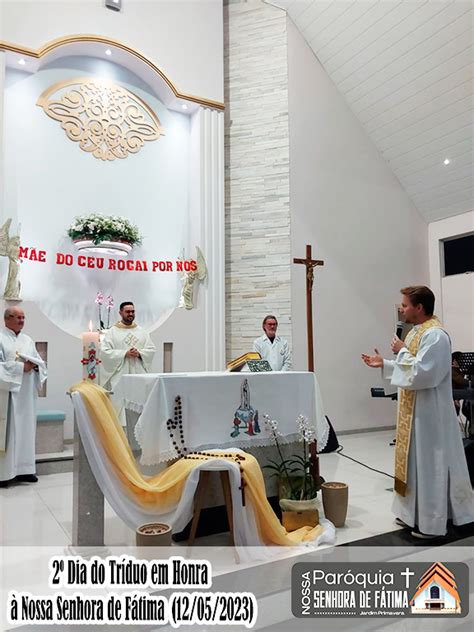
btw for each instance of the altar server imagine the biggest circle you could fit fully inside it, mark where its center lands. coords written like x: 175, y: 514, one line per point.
x: 431, y: 476
x: 126, y: 349
x: 22, y: 373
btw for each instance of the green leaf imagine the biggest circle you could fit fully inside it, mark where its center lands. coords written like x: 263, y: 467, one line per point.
x: 272, y: 467
x: 299, y: 458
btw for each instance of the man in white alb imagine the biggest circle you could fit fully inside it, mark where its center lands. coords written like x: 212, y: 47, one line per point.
x: 431, y: 476
x: 126, y: 348
x: 272, y: 347
x: 22, y: 372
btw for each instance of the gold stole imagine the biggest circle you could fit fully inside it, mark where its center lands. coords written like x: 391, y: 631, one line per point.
x: 406, y: 409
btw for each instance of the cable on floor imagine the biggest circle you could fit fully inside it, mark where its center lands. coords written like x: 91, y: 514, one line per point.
x: 341, y: 448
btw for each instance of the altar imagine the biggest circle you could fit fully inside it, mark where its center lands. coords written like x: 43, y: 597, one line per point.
x: 198, y: 411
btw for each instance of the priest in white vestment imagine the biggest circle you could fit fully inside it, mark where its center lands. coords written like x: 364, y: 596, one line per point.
x: 273, y: 348
x: 431, y: 476
x: 126, y: 349
x: 22, y: 373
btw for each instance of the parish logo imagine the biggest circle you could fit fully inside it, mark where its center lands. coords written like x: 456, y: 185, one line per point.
x: 436, y: 592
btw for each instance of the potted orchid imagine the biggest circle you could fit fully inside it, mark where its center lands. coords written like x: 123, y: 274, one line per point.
x: 298, y: 477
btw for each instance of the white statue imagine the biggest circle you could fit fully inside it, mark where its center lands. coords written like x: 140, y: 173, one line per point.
x: 187, y: 300
x: 9, y: 247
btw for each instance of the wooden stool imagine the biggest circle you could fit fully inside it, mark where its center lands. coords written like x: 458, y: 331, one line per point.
x: 199, y: 501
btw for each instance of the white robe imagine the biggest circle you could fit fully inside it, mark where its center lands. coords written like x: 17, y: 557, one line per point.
x: 277, y: 352
x: 438, y: 480
x: 117, y: 341
x: 19, y: 391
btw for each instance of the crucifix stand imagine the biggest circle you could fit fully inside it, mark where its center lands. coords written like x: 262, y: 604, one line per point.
x: 310, y: 265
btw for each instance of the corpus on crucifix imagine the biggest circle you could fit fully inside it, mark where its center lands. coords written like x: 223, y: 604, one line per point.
x: 310, y: 265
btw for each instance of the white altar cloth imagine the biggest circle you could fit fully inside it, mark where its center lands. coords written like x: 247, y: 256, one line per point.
x: 248, y: 542
x: 220, y: 410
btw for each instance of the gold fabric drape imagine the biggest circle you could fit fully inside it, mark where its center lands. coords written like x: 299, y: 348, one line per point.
x: 163, y: 491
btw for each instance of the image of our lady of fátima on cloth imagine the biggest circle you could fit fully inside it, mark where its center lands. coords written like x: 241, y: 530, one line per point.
x: 246, y: 417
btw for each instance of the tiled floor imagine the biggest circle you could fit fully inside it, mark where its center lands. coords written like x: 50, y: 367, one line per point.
x: 36, y: 523
x: 48, y: 503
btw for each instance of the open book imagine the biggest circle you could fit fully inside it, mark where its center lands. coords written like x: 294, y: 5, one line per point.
x: 239, y: 363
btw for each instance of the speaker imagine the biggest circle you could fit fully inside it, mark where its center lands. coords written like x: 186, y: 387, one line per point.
x: 332, y: 444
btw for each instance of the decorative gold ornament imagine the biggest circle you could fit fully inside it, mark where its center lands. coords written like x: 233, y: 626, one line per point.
x: 87, y: 39
x: 106, y: 120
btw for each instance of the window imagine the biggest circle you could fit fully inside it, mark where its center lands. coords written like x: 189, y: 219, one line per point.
x: 434, y: 592
x: 458, y: 255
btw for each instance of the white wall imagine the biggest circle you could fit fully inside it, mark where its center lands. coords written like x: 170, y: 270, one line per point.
x: 346, y: 202
x: 183, y: 38
x: 455, y: 294
x: 48, y: 177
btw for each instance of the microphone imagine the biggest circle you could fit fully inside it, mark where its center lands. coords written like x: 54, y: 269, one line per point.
x: 399, y: 329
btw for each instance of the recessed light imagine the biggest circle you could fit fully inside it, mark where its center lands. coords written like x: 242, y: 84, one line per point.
x: 446, y: 161
x: 108, y: 52
x: 22, y: 62
x: 184, y: 106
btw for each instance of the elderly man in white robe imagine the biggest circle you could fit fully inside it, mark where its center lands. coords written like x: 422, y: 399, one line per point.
x: 273, y: 348
x: 431, y: 476
x: 126, y: 349
x: 22, y: 373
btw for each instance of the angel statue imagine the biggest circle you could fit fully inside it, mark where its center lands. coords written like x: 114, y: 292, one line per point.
x: 188, y: 278
x: 9, y: 247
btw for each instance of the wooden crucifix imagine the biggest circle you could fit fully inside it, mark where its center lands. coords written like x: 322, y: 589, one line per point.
x: 310, y: 265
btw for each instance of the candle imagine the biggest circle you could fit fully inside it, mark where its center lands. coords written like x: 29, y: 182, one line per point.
x: 90, y: 353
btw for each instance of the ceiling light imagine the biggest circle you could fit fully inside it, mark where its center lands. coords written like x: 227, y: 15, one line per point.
x: 115, y: 5
x: 446, y: 161
x: 108, y: 52
x: 22, y: 62
x: 184, y: 106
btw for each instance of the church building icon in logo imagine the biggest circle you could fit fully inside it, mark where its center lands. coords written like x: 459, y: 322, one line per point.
x: 436, y: 592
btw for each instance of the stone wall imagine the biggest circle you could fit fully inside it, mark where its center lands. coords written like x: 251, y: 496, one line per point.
x: 257, y: 171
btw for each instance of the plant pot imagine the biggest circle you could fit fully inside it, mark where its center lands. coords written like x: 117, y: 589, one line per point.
x: 116, y: 248
x: 153, y: 534
x: 299, y: 513
x: 335, y: 499
x: 293, y: 520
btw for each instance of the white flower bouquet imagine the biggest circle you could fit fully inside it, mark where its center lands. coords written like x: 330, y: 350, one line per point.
x: 96, y: 227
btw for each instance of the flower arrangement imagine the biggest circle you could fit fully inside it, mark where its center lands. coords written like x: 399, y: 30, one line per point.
x: 298, y: 475
x: 96, y: 227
